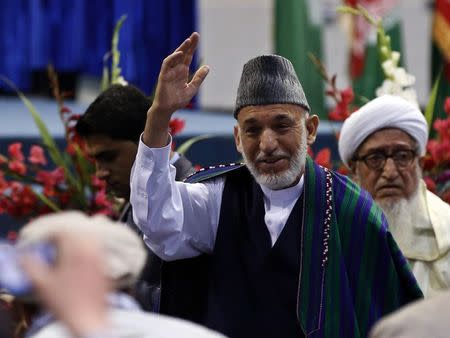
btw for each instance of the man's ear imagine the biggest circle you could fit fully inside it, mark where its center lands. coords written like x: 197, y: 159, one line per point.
x: 312, y: 123
x: 237, y: 139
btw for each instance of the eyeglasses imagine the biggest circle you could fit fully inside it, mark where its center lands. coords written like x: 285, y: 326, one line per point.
x: 377, y: 160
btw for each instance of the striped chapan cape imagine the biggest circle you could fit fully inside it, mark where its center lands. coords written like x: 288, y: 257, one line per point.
x: 352, y: 272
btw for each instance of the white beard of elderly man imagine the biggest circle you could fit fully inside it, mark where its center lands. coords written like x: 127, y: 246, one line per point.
x: 383, y: 144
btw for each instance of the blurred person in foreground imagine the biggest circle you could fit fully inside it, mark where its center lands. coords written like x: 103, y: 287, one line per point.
x: 424, y: 318
x: 384, y: 143
x: 111, y: 127
x: 291, y: 243
x: 84, y: 294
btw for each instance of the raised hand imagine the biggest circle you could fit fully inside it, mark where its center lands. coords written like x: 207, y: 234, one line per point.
x: 174, y: 90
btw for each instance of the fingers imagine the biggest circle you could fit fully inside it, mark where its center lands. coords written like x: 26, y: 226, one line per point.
x: 36, y: 270
x: 194, y: 39
x: 183, y: 54
x: 171, y: 61
x: 199, y: 77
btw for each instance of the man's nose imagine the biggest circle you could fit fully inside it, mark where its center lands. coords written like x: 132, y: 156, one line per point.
x: 268, y: 142
x: 390, y: 170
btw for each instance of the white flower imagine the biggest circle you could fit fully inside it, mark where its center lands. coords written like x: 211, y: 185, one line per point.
x: 388, y: 67
x: 120, y: 81
x: 395, y: 56
x: 410, y: 95
x: 390, y: 87
x: 402, y: 77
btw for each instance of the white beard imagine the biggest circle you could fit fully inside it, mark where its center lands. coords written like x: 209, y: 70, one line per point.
x: 400, y: 214
x: 404, y: 215
x: 288, y: 177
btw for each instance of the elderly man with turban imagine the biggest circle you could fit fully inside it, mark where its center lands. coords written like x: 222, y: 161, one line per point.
x: 383, y: 143
x: 291, y: 243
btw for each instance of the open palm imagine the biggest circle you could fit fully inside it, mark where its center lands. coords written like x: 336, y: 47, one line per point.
x: 174, y: 90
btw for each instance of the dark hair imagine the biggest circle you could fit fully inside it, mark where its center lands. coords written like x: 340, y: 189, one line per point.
x: 119, y: 113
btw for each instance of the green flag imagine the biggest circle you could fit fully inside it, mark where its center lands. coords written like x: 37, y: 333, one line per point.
x: 298, y: 32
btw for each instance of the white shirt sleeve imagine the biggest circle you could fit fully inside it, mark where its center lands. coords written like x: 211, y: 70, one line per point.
x: 179, y: 220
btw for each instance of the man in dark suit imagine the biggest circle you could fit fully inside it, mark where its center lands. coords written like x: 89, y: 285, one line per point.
x: 111, y: 127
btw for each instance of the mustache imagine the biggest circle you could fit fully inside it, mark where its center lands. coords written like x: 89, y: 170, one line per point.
x: 278, y: 154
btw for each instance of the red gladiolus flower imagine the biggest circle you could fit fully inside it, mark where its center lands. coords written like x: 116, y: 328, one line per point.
x: 15, y: 151
x: 37, y: 155
x: 101, y: 198
x: 446, y: 196
x: 447, y: 106
x: 65, y: 110
x: 3, y: 183
x: 17, y: 167
x: 428, y: 163
x: 98, y: 183
x: 50, y: 179
x: 343, y: 170
x: 347, y: 95
x: 64, y: 198
x: 431, y: 185
x: 176, y: 125
x: 323, y: 158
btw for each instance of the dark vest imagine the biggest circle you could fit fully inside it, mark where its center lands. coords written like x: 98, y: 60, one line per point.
x: 253, y: 287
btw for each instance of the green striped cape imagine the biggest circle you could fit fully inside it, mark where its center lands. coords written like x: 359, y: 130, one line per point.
x: 352, y: 272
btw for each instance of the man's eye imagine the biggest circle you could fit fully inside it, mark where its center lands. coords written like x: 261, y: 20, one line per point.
x: 402, y: 155
x: 282, y: 127
x: 109, y: 157
x: 252, y: 130
x: 375, y: 157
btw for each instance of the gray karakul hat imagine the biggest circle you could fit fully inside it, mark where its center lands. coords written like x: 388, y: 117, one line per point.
x: 269, y: 79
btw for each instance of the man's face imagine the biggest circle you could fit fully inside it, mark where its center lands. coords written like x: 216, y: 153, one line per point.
x: 390, y: 183
x: 273, y: 141
x: 113, y: 161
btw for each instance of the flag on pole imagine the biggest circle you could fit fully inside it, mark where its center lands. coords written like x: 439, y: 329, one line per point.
x: 297, y: 32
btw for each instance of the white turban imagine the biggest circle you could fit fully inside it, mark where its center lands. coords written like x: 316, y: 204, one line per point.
x: 386, y: 111
x: 124, y: 253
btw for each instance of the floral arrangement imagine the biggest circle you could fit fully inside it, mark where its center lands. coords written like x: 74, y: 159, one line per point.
x: 437, y: 160
x: 397, y: 81
x: 48, y: 179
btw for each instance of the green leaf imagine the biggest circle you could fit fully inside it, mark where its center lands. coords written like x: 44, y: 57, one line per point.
x: 189, y: 143
x: 348, y: 10
x: 86, y: 169
x: 431, y: 105
x: 105, y: 73
x: 115, y: 70
x: 47, y: 139
x: 46, y: 201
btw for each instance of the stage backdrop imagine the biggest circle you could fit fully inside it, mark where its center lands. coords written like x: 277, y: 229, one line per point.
x: 75, y: 35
